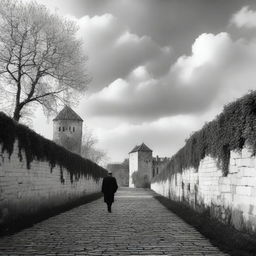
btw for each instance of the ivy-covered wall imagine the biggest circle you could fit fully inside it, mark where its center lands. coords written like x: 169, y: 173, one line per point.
x: 228, y: 131
x: 37, y: 174
x: 230, y: 199
x: 215, y: 172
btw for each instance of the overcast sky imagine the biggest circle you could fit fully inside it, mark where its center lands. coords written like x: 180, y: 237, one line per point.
x: 160, y: 68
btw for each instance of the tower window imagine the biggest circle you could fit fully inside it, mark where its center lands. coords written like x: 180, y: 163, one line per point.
x: 73, y: 129
x: 69, y: 128
x: 63, y: 128
x: 59, y: 129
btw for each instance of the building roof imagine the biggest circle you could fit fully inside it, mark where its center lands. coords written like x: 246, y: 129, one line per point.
x: 67, y: 113
x: 143, y: 147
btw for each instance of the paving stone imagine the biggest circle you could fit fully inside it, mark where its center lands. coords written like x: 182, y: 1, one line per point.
x: 138, y: 225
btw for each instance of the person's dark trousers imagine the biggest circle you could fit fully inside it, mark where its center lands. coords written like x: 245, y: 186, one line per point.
x: 109, y: 207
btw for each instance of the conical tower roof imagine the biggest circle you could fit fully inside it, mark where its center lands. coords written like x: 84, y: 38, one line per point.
x: 143, y: 147
x: 67, y: 113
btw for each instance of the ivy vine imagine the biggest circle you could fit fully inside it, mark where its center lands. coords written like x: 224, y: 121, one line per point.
x: 228, y: 131
x: 39, y: 148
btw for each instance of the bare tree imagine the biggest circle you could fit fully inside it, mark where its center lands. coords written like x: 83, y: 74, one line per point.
x: 89, y: 149
x: 41, y: 58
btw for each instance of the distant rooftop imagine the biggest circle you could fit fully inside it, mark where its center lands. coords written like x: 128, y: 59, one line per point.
x: 143, y: 147
x: 67, y: 113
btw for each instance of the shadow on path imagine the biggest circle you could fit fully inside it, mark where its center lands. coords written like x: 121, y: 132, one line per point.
x: 138, y: 225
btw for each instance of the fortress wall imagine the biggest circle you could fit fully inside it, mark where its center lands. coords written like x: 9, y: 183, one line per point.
x: 215, y: 171
x: 26, y: 192
x: 230, y: 199
x: 38, y: 176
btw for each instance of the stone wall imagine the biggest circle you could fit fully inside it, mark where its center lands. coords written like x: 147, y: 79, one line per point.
x: 230, y: 199
x: 25, y: 192
x: 39, y: 177
x: 158, y: 164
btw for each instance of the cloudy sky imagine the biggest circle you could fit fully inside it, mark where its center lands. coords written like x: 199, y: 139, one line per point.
x: 160, y: 68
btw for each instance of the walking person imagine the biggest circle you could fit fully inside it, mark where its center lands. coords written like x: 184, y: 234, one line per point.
x: 109, y: 188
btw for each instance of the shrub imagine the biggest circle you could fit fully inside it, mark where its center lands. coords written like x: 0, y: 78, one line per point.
x: 140, y: 180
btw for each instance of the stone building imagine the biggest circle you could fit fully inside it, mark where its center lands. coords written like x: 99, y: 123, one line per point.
x: 67, y: 130
x: 121, y: 172
x: 158, y: 164
x: 140, y: 160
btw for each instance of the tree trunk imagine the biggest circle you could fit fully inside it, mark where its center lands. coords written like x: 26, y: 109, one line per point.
x: 16, y: 114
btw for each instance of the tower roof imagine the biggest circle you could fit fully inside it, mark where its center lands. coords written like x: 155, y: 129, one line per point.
x: 143, y: 147
x: 67, y: 113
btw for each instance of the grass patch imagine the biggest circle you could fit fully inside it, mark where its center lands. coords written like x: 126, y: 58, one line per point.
x: 26, y: 221
x: 225, y: 237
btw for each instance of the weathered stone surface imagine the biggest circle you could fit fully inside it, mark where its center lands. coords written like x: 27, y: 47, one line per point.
x: 138, y: 225
x: 26, y: 191
x: 236, y: 191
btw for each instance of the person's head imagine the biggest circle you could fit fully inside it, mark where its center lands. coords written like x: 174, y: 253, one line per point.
x: 109, y: 173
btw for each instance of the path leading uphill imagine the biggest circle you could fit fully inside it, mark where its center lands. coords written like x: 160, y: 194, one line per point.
x: 138, y: 225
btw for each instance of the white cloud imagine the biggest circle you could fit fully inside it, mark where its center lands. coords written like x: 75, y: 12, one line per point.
x: 217, y: 65
x: 114, y: 51
x: 116, y: 91
x: 208, y: 49
x: 127, y: 38
x: 244, y: 18
x: 140, y: 73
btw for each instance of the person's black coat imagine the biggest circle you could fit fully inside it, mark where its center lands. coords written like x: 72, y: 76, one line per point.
x: 109, y: 187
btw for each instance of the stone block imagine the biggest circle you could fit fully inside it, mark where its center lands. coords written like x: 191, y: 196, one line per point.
x: 234, y: 179
x: 233, y: 169
x: 245, y: 162
x: 248, y: 172
x: 239, y: 200
x: 243, y: 190
x: 253, y: 193
x: 247, y: 181
x: 224, y: 181
x: 225, y: 188
x: 228, y: 199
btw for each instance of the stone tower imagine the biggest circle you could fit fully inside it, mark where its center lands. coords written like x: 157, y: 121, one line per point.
x: 140, y: 160
x: 67, y: 130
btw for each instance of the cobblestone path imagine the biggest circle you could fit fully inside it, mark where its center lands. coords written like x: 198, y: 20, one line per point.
x: 138, y: 225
